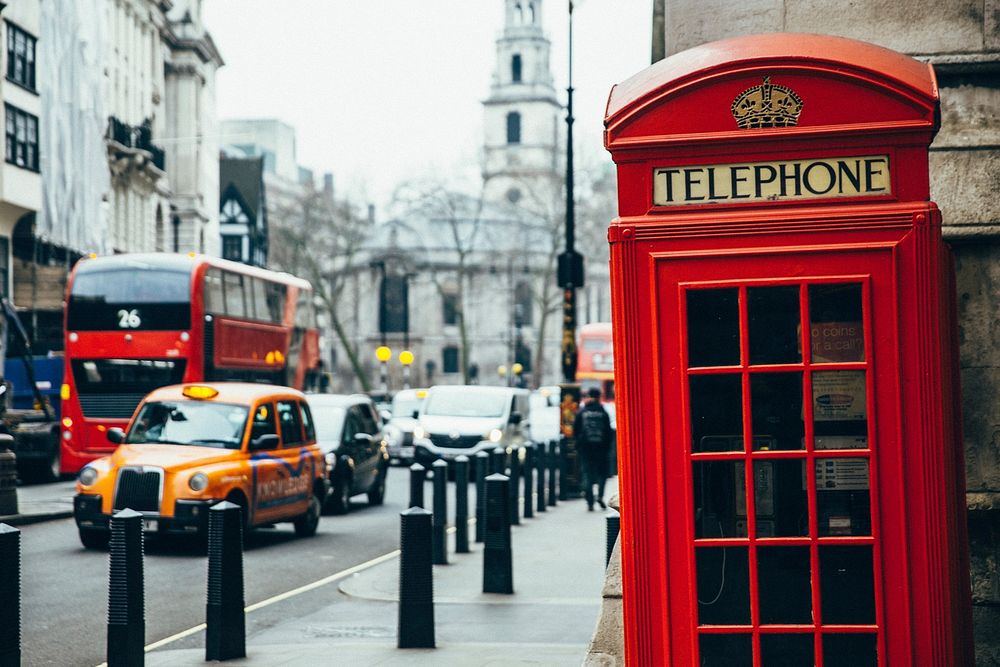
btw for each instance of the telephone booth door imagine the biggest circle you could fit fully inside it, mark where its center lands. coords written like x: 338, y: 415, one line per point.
x: 788, y: 538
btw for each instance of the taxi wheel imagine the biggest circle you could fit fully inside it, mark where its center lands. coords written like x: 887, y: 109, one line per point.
x: 94, y: 539
x: 306, y: 525
x: 376, y: 494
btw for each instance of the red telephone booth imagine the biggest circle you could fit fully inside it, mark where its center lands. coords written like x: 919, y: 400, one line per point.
x: 785, y: 355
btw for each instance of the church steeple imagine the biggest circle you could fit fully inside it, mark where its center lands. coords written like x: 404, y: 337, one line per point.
x: 522, y: 112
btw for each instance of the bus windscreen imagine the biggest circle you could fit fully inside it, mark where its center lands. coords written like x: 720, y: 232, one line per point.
x: 130, y: 300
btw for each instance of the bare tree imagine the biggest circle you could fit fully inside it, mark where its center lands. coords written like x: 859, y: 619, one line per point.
x: 319, y: 240
x: 460, y: 217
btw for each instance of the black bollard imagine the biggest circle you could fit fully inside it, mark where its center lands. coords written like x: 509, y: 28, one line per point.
x: 563, y: 469
x: 498, y: 461
x: 528, y: 474
x: 418, y: 474
x: 225, y: 620
x: 614, y: 522
x: 553, y: 460
x: 126, y: 611
x: 440, y: 521
x: 10, y: 593
x: 416, y: 580
x: 513, y: 488
x: 462, y: 504
x: 498, y: 575
x: 540, y: 480
x: 482, y: 470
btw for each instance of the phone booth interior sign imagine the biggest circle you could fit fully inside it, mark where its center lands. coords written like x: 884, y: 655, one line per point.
x: 789, y: 443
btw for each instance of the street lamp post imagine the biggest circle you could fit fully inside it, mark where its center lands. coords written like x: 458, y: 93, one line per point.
x: 406, y: 358
x: 384, y: 354
x: 502, y: 373
x: 570, y: 271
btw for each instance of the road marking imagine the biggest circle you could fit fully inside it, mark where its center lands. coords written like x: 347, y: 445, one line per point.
x: 277, y: 598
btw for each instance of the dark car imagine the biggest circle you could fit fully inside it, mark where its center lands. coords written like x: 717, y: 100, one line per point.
x: 349, y: 431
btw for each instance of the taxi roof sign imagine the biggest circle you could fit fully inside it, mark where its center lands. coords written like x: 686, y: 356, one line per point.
x: 200, y: 392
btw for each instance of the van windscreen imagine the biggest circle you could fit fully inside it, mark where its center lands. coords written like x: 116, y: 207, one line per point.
x: 466, y: 403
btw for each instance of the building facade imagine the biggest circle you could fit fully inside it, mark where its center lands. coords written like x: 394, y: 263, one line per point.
x: 467, y: 281
x: 243, y: 210
x: 126, y: 143
x: 20, y: 180
x: 962, y: 40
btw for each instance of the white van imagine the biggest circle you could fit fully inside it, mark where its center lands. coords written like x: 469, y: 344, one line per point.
x: 467, y: 419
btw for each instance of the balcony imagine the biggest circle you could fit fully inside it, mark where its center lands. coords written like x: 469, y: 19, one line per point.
x: 131, y: 146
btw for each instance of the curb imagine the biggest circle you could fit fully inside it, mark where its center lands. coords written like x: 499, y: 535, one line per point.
x: 25, y: 519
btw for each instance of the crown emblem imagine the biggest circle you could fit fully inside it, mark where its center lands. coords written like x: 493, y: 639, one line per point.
x: 766, y: 105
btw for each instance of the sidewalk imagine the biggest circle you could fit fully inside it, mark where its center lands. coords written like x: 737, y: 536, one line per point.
x: 558, y: 577
x: 558, y: 565
x: 42, y: 502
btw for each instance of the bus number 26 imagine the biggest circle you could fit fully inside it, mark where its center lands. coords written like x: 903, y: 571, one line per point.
x: 129, y: 319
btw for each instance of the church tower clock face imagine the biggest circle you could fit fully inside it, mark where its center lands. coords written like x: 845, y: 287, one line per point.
x: 523, y: 130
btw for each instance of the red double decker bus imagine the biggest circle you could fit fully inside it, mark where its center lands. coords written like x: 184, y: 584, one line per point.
x: 595, y: 365
x: 138, y: 322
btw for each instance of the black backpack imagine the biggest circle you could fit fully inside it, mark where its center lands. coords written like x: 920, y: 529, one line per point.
x: 592, y: 427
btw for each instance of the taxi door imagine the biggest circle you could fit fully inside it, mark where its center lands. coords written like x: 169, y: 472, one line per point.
x: 283, y: 475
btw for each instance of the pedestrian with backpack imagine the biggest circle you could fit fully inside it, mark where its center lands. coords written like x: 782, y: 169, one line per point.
x: 592, y: 431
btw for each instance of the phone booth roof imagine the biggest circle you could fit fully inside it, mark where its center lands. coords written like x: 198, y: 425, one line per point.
x: 844, y: 86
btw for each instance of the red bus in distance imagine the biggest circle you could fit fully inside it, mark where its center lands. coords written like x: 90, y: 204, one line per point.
x: 142, y: 321
x: 595, y: 366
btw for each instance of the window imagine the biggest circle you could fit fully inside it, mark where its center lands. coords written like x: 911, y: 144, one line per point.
x: 20, y: 57
x: 522, y: 305
x: 232, y: 248
x: 515, y: 68
x: 291, y: 423
x: 308, y: 422
x: 263, y: 422
x: 4, y: 267
x: 449, y: 358
x: 449, y: 307
x: 233, y: 213
x: 22, y: 138
x: 513, y: 128
x: 394, y: 314
x: 234, y: 294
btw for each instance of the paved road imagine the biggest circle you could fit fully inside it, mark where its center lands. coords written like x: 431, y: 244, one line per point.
x: 64, y: 587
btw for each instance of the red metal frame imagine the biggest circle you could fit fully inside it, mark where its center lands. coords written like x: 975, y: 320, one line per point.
x: 239, y: 344
x: 861, y: 100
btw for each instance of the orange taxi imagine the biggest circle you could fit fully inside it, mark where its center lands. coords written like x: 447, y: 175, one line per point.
x: 191, y: 446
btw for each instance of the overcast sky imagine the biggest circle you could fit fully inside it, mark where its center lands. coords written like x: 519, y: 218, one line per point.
x: 382, y: 90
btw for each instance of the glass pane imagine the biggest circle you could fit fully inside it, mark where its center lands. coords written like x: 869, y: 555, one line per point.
x: 842, y: 499
x: 723, y: 586
x: 776, y: 411
x: 726, y: 650
x: 782, y: 506
x: 716, y: 413
x: 786, y: 650
x: 774, y: 325
x: 836, y: 323
x: 713, y: 327
x: 840, y: 409
x: 850, y: 650
x: 720, y: 499
x: 846, y: 582
x: 783, y: 585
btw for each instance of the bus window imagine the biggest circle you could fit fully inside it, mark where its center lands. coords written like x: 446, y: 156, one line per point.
x: 109, y: 300
x: 214, y: 302
x: 260, y: 303
x: 305, y: 316
x: 276, y: 302
x: 234, y: 294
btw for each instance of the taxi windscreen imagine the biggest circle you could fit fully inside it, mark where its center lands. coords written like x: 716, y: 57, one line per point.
x: 190, y: 423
